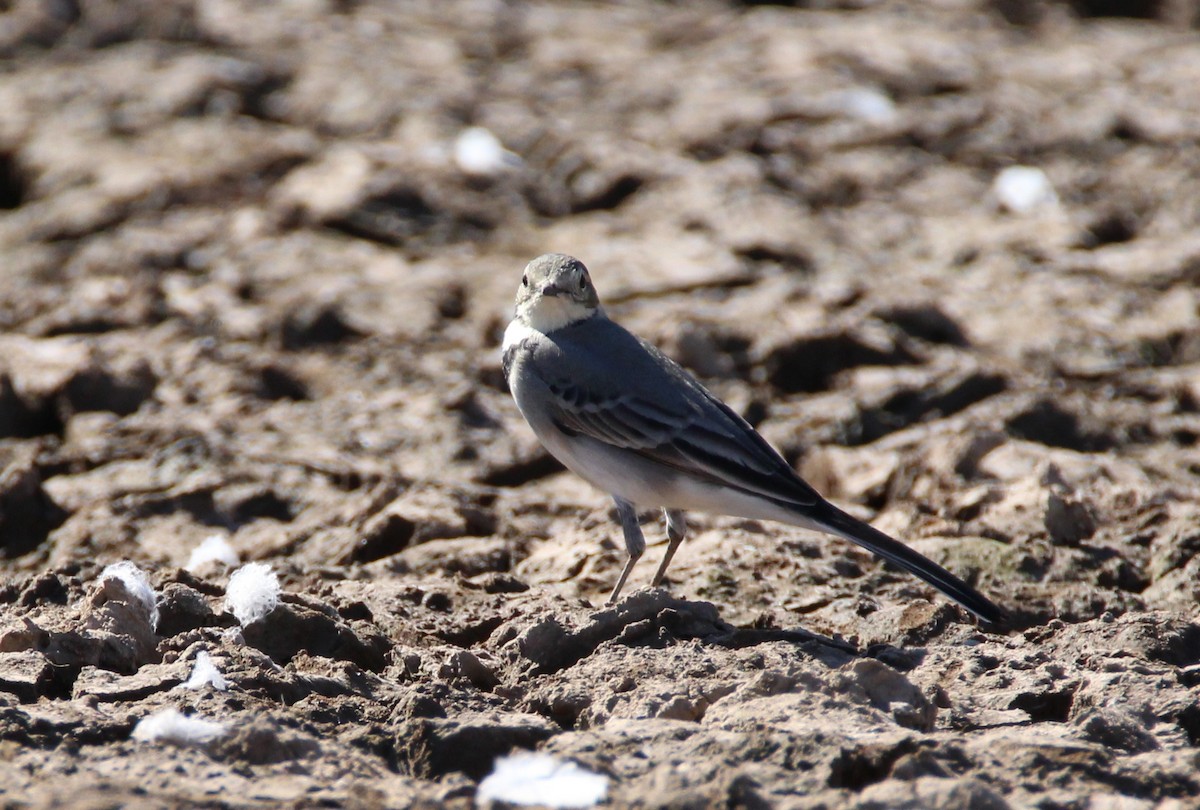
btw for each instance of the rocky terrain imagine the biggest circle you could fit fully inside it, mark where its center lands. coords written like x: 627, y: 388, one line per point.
x: 255, y: 264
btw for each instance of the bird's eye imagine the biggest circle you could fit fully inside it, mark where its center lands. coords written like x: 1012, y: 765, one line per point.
x: 524, y: 281
x: 583, y: 282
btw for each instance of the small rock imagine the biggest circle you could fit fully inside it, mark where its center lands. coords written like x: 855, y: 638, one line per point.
x: 434, y: 747
x: 1115, y: 728
x: 317, y: 323
x: 496, y: 582
x: 930, y: 793
x: 110, y: 687
x: 326, y: 187
x: 27, y: 513
x: 27, y: 674
x: 416, y: 704
x: 466, y: 664
x: 680, y: 708
x: 117, y: 623
x: 891, y: 692
x: 263, y: 742
x: 47, y: 588
x: 1069, y: 520
x: 292, y: 628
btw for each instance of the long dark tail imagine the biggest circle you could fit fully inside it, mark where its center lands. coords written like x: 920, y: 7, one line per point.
x: 835, y: 521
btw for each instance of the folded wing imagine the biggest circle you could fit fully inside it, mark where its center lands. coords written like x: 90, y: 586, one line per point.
x: 694, y: 434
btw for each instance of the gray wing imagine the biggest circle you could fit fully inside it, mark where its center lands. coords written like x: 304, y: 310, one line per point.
x: 623, y: 392
x: 617, y: 390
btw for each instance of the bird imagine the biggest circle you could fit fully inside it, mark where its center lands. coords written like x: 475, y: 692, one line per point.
x: 619, y: 413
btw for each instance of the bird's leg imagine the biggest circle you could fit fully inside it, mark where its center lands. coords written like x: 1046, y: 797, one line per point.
x: 676, y: 531
x: 635, y: 543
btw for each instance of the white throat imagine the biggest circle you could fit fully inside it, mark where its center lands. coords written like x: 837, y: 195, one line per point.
x: 551, y: 313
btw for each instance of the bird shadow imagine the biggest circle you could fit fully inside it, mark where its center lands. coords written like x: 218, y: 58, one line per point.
x: 658, y: 619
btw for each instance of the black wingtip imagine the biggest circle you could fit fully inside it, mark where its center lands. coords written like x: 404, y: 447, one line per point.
x: 999, y: 624
x: 995, y: 619
x: 991, y: 616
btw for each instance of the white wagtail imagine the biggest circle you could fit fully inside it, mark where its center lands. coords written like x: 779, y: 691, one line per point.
x: 631, y: 421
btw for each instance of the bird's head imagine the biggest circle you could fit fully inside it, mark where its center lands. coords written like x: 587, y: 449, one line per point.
x: 555, y: 291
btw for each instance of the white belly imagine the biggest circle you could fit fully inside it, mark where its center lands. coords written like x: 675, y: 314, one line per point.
x: 624, y: 473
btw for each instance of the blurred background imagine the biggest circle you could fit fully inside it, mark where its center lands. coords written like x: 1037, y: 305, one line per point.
x: 257, y: 259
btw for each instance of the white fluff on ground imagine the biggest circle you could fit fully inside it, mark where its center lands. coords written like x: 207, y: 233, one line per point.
x: 539, y: 779
x: 214, y: 548
x: 204, y: 671
x: 137, y: 583
x: 477, y: 151
x: 866, y: 104
x: 1023, y: 189
x: 252, y: 593
x: 169, y: 726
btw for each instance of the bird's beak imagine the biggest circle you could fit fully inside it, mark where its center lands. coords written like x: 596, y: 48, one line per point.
x: 552, y: 290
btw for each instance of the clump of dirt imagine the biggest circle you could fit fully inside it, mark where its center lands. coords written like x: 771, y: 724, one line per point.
x: 253, y: 295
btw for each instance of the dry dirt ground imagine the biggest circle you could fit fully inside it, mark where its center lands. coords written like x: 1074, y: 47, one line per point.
x: 246, y: 291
